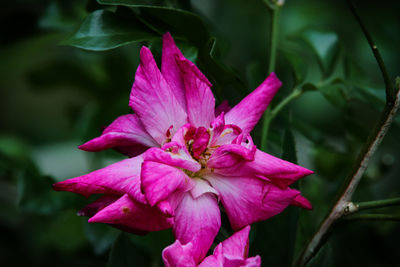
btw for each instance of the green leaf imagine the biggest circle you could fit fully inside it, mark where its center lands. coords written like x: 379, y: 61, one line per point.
x: 103, y: 30
x: 125, y: 253
x: 188, y: 26
x: 325, y: 45
x: 336, y: 94
x: 165, y: 19
x: 100, y: 235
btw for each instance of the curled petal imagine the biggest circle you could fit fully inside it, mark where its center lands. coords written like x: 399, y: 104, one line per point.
x: 200, y: 141
x: 133, y: 216
x: 126, y: 134
x: 159, y: 181
x: 228, y: 134
x: 175, y: 155
x: 197, y: 221
x: 216, y: 127
x: 248, y: 200
x: 247, y: 113
x: 153, y: 101
x: 228, y: 156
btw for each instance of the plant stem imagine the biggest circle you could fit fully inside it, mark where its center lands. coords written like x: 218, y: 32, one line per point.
x: 373, y: 217
x: 274, y: 36
x: 275, y: 9
x: 390, y: 90
x: 378, y: 203
x: 295, y: 94
x: 343, y: 203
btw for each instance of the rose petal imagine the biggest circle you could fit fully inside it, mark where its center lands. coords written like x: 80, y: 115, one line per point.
x: 248, y: 200
x: 126, y: 134
x: 118, y: 178
x: 153, y: 101
x: 170, y: 69
x: 176, y: 155
x: 177, y: 255
x: 197, y: 221
x: 282, y: 173
x: 136, y: 217
x: 201, y: 187
x: 97, y: 205
x: 247, y: 113
x: 199, y: 98
x: 159, y: 181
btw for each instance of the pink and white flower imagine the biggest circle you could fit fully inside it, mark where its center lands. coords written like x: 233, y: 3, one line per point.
x: 232, y: 252
x: 186, y: 157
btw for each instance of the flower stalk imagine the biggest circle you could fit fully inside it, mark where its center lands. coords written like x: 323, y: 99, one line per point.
x: 275, y: 7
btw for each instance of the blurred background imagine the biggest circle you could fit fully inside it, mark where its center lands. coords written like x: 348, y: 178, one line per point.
x: 54, y: 96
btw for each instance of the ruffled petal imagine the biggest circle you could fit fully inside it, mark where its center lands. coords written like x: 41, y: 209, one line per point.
x: 176, y: 155
x: 197, y: 221
x: 247, y: 113
x: 126, y: 134
x: 119, y: 178
x: 130, y: 215
x: 153, y: 100
x: 228, y: 156
x: 248, y: 200
x: 177, y: 255
x: 216, y: 127
x: 282, y: 173
x: 170, y: 69
x: 159, y: 181
x: 200, y: 100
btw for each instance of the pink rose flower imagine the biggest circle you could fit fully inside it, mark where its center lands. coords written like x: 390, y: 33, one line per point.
x: 232, y: 252
x: 186, y: 157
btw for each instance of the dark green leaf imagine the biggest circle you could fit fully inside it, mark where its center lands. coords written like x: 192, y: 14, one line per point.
x: 336, y: 94
x: 190, y: 27
x: 325, y: 45
x: 103, y: 30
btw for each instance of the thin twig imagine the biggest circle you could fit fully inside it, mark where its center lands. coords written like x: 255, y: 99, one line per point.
x: 373, y: 217
x: 390, y: 90
x: 343, y: 204
x: 378, y: 203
